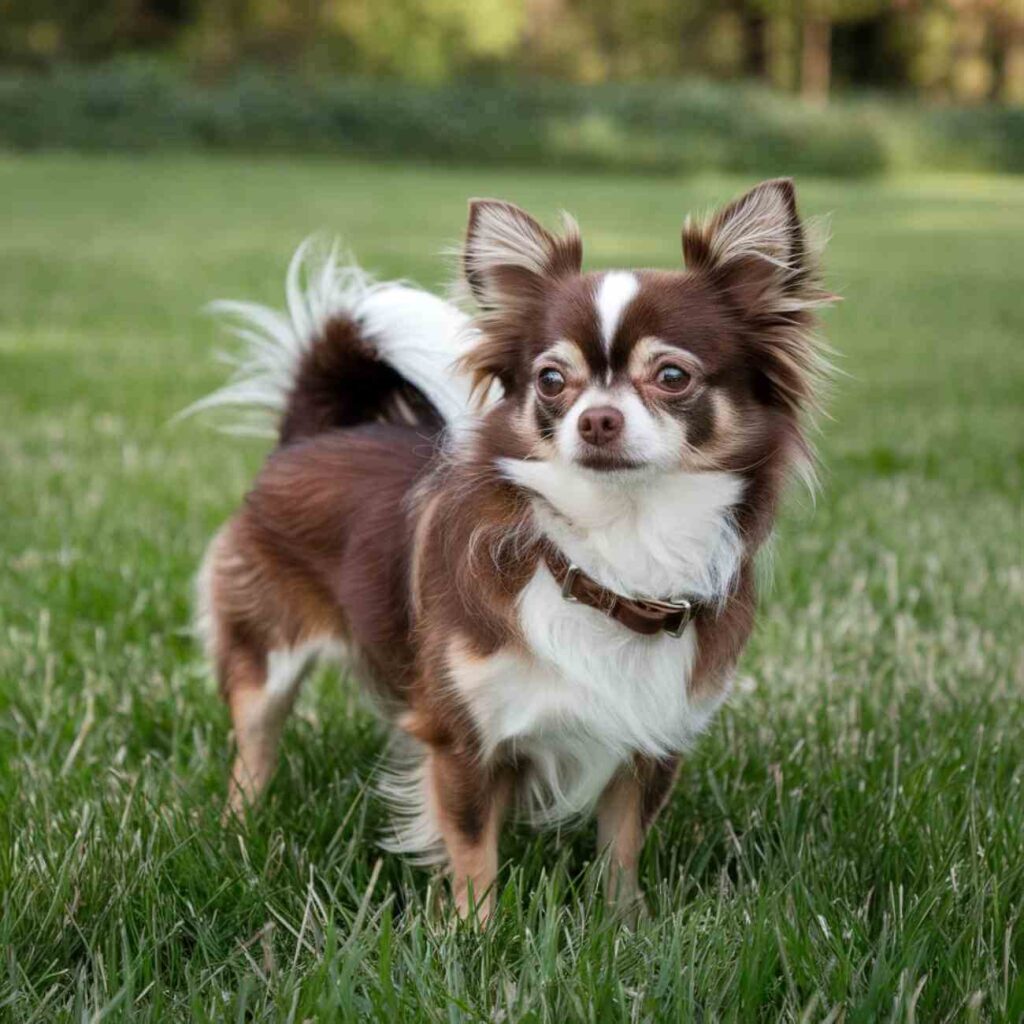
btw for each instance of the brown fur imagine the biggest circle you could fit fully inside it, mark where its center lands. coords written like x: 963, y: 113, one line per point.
x: 470, y: 809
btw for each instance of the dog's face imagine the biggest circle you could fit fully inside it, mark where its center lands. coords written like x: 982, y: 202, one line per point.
x: 627, y: 371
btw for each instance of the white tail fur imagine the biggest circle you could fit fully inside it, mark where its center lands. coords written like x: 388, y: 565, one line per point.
x: 416, y: 333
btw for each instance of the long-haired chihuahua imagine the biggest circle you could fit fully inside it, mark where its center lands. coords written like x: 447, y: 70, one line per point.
x: 530, y: 529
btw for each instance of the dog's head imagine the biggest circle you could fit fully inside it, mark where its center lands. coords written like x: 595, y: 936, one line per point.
x: 630, y: 370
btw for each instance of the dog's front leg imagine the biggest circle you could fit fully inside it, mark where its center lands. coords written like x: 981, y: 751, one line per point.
x: 470, y: 800
x: 627, y: 809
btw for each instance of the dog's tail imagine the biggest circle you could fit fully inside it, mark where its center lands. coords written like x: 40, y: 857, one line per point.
x: 348, y: 350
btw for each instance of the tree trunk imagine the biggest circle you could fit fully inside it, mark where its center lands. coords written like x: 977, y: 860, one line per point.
x: 816, y: 59
x: 540, y: 19
x: 1011, y: 81
x: 780, y: 49
x: 755, y: 59
x: 973, y: 74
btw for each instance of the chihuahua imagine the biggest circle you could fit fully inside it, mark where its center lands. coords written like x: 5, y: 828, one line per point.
x: 529, y: 527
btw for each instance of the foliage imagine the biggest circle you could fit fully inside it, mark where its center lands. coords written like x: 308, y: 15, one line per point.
x: 845, y: 843
x: 653, y: 127
x: 965, y: 50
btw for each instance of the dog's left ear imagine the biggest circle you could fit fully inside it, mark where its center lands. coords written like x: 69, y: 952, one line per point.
x: 508, y: 255
x: 756, y: 250
x: 757, y: 254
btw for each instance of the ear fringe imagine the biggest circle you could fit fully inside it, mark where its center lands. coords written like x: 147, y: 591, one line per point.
x: 799, y: 365
x: 759, y: 226
x: 761, y: 233
x: 507, y: 252
x: 762, y: 226
x: 493, y: 357
x: 501, y: 235
x: 506, y: 259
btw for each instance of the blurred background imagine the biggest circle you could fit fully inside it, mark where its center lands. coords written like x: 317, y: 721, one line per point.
x: 834, y: 87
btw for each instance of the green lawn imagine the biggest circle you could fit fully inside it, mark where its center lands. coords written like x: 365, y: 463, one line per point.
x: 846, y: 844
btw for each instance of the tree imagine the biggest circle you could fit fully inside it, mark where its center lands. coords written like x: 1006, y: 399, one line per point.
x: 1010, y: 25
x: 817, y: 18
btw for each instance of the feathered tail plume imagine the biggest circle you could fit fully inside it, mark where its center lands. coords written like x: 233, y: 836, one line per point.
x: 347, y: 350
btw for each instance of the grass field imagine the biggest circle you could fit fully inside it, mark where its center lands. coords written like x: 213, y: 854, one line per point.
x: 846, y: 844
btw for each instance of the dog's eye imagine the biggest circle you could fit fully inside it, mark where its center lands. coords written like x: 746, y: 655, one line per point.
x: 550, y: 382
x: 673, y: 378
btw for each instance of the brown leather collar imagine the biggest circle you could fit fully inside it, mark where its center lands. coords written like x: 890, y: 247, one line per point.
x: 642, y: 616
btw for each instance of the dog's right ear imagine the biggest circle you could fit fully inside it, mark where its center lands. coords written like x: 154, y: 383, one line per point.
x: 508, y: 255
x: 509, y: 261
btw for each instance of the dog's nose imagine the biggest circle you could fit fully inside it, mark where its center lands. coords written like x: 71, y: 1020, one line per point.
x: 600, y: 425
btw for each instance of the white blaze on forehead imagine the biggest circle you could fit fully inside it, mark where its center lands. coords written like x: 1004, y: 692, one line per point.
x: 615, y: 292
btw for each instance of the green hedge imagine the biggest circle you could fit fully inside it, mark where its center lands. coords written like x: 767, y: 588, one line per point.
x: 672, y: 127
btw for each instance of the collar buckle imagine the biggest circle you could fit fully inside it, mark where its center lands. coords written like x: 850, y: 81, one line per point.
x: 567, y: 584
x: 679, y: 610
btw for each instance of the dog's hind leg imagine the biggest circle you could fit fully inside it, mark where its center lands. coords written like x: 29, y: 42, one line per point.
x: 260, y: 689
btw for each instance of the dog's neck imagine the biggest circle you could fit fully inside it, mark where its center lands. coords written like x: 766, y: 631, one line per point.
x: 648, y: 535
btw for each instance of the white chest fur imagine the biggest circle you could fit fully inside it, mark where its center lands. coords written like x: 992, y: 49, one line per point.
x: 656, y: 536
x: 589, y: 692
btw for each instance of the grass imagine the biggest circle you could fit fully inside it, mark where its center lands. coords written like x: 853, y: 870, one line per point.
x: 846, y: 844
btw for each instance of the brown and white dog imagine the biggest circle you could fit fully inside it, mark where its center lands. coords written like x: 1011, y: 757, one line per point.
x: 532, y: 530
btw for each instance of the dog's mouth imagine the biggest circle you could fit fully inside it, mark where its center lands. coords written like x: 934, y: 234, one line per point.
x: 608, y: 462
